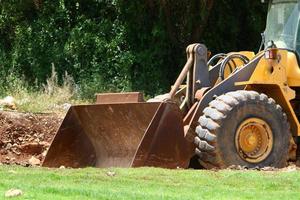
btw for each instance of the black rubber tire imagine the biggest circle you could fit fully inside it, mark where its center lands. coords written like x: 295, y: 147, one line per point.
x: 215, y: 138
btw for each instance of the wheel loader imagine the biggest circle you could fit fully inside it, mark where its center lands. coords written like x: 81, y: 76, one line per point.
x: 238, y: 108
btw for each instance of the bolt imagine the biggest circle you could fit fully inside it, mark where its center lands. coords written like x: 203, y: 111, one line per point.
x: 201, y: 51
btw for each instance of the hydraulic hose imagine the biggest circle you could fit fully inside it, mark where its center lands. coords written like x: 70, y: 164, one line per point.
x: 229, y: 58
x: 215, y: 57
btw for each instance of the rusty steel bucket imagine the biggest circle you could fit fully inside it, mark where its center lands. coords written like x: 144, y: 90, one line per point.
x: 121, y: 135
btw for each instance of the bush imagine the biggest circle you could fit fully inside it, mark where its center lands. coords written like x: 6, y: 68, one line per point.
x: 118, y: 45
x: 96, y: 54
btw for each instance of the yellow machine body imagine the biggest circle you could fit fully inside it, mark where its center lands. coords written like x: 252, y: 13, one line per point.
x: 277, y: 78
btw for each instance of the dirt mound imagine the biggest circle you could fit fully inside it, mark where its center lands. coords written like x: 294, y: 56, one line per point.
x: 24, y: 138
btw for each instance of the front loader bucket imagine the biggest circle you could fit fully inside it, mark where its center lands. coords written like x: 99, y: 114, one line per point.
x: 121, y: 135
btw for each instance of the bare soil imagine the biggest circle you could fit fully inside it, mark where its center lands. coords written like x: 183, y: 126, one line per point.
x: 25, y: 137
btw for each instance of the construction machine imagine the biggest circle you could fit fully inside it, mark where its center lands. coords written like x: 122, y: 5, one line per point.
x: 238, y: 108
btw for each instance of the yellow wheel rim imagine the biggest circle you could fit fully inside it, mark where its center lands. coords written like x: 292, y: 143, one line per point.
x: 254, y: 140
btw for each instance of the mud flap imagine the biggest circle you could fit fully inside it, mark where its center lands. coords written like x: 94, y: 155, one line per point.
x: 121, y: 135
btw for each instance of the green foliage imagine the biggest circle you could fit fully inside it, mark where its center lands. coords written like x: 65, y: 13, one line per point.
x: 83, y: 42
x: 158, y: 33
x: 235, y: 26
x: 118, y: 45
x: 96, y: 54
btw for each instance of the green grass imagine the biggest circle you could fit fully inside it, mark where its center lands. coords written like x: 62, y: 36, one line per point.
x: 148, y: 183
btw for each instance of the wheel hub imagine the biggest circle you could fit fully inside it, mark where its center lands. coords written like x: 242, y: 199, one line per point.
x: 254, y: 140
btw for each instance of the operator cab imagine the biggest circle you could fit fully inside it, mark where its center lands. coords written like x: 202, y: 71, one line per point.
x: 283, y: 24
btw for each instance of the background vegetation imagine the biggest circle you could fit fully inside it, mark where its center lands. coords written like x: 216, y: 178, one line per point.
x: 116, y: 45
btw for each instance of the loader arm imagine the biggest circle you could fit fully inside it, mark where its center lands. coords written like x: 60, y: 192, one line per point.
x: 241, y: 74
